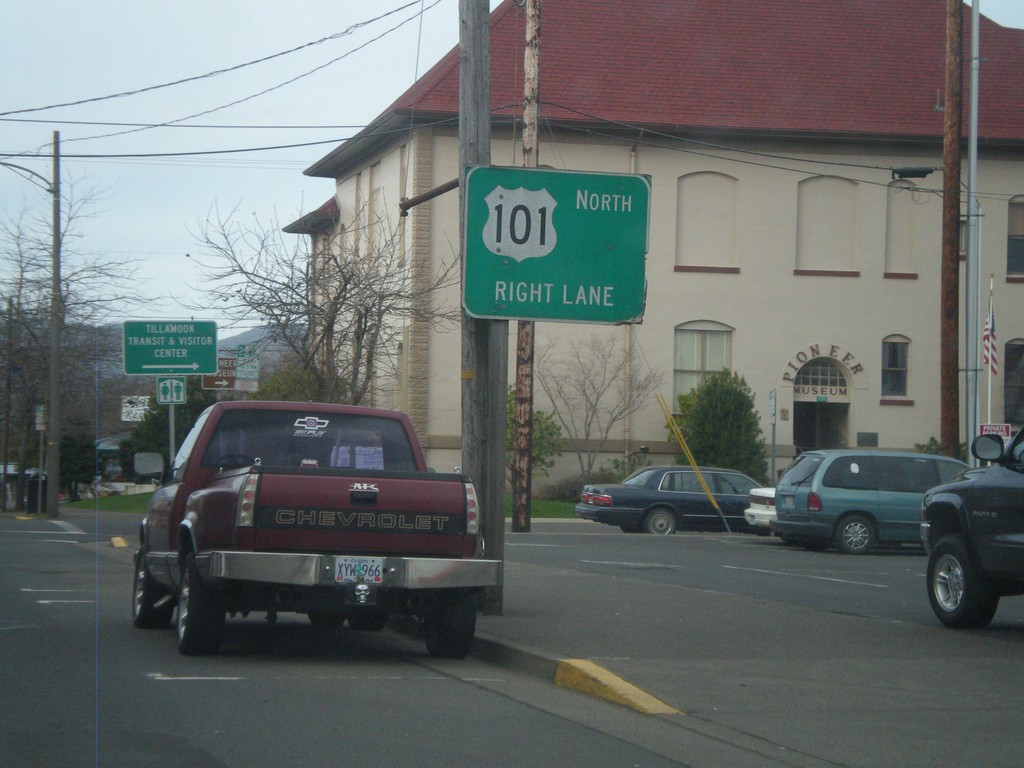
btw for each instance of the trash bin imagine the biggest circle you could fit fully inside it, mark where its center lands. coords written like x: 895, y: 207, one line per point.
x: 35, y: 492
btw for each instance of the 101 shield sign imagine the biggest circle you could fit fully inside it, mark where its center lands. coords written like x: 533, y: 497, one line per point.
x: 555, y: 245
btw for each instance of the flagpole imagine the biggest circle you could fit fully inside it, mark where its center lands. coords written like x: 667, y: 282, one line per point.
x: 991, y: 342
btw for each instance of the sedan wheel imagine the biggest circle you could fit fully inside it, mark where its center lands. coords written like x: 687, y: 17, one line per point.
x: 660, y: 522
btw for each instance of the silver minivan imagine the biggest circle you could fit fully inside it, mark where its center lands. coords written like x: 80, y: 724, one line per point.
x: 855, y: 499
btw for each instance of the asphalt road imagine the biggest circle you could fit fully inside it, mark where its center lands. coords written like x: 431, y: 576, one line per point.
x: 767, y: 655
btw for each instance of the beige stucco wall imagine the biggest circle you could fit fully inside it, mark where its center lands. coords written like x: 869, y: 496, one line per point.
x: 781, y: 319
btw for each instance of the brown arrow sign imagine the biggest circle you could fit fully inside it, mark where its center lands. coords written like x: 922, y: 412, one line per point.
x: 225, y: 376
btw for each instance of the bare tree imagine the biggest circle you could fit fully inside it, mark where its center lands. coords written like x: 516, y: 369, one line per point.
x: 93, y: 288
x: 592, y: 388
x: 338, y: 307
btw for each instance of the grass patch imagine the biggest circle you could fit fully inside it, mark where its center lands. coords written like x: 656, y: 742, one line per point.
x: 539, y: 508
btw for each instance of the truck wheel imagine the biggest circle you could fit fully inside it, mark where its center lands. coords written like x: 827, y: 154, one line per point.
x: 854, y: 535
x: 660, y: 522
x: 960, y: 596
x: 449, y: 629
x: 146, y: 592
x: 200, y: 612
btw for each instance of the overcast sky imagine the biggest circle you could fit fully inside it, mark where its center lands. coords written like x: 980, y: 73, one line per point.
x: 55, y: 52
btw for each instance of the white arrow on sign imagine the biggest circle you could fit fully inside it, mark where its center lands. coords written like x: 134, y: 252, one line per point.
x: 192, y: 366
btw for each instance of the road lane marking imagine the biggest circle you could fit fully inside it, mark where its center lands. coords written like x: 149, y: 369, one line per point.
x: 159, y: 676
x: 638, y: 566
x: 805, y: 576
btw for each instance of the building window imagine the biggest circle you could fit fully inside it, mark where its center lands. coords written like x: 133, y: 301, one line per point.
x: 895, y: 353
x: 1013, y: 383
x: 826, y: 226
x: 706, y: 206
x: 700, y: 348
x: 1015, y: 237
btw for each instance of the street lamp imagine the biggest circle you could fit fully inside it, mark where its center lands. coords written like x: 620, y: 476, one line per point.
x: 56, y: 330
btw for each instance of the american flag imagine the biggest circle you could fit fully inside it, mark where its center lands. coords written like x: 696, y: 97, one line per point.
x: 988, y: 341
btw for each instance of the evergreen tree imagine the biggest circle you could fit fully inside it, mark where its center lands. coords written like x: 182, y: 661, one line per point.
x: 721, y: 425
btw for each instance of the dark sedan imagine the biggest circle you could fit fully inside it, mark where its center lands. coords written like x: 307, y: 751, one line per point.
x: 663, y: 499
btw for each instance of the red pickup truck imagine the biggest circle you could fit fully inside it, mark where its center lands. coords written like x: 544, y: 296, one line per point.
x: 326, y: 510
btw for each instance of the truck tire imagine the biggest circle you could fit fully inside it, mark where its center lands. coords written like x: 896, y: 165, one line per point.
x: 200, y: 612
x: 660, y: 521
x: 146, y: 592
x: 960, y: 596
x: 855, y: 535
x: 449, y: 629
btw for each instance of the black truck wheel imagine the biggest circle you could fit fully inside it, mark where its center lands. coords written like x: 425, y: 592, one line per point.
x: 200, y: 612
x: 146, y: 593
x: 960, y: 596
x: 449, y: 628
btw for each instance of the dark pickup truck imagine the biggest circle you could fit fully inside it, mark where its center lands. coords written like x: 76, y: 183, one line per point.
x: 973, y: 530
x: 325, y: 510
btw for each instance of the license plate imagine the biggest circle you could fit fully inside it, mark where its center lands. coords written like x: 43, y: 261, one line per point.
x: 352, y: 570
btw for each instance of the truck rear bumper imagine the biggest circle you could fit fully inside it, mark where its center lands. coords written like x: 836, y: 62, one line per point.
x: 311, y: 570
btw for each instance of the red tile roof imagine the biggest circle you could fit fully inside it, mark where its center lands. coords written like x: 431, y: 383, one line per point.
x: 849, y: 67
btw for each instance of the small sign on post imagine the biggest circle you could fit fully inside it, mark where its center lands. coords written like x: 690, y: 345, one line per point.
x: 170, y: 390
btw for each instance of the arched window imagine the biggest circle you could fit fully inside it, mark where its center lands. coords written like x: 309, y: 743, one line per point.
x: 826, y: 225
x: 900, y: 225
x: 706, y: 220
x: 895, y: 365
x: 701, y: 347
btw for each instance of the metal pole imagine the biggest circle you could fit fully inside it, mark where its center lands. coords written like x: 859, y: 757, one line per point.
x: 8, y: 380
x: 522, y: 443
x: 53, y: 413
x: 972, y: 268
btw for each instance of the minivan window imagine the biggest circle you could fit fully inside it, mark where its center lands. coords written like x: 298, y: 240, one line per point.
x: 906, y: 474
x: 855, y: 472
x: 801, y: 470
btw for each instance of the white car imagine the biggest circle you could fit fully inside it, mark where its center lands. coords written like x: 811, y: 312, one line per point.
x: 761, y: 510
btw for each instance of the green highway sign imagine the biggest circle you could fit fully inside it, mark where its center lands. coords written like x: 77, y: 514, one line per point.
x: 170, y: 390
x: 160, y: 347
x: 555, y: 245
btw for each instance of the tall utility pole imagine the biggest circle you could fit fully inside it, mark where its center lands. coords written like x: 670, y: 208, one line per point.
x: 53, y: 414
x: 949, y: 322
x: 484, y: 342
x: 522, y: 443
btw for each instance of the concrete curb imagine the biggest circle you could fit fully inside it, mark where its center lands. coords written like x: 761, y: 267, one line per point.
x: 576, y: 674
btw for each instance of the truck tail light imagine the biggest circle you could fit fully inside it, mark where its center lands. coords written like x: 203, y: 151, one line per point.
x: 247, y: 501
x: 814, y: 502
x: 472, y: 510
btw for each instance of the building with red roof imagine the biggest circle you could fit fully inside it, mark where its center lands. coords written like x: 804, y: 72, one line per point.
x: 784, y: 244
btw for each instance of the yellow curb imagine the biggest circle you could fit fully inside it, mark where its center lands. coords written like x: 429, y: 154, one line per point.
x: 118, y: 541
x: 588, y: 677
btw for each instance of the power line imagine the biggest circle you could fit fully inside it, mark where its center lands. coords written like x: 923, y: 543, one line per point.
x: 214, y: 73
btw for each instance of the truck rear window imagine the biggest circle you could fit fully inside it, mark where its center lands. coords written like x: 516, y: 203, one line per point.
x: 314, y: 439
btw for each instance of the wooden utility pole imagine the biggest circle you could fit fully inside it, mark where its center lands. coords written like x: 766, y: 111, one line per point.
x: 484, y: 342
x: 522, y: 443
x: 949, y: 325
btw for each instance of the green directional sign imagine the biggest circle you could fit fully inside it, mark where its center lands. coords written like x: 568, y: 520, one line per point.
x: 161, y: 347
x: 555, y: 245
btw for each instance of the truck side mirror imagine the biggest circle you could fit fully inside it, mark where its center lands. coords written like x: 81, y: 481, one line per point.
x: 148, y: 464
